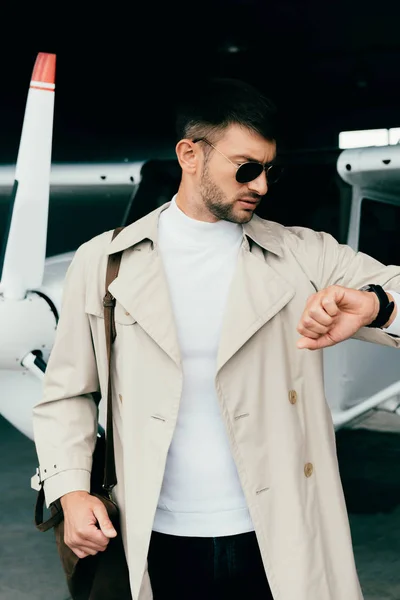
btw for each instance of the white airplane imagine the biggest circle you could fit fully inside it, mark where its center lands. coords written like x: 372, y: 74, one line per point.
x: 359, y: 376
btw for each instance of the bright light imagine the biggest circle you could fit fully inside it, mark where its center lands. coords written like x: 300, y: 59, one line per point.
x: 369, y: 137
x: 394, y: 136
x: 363, y: 138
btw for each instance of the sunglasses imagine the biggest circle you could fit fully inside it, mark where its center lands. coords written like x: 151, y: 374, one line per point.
x: 250, y: 170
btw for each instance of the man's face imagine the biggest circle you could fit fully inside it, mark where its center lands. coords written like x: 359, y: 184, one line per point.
x: 224, y: 197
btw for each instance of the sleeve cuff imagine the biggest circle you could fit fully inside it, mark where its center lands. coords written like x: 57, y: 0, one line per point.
x: 73, y: 480
x: 394, y: 328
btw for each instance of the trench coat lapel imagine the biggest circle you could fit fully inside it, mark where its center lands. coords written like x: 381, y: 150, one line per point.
x: 141, y: 286
x: 257, y: 294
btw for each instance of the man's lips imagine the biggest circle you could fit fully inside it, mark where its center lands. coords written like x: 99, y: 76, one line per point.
x: 249, y: 201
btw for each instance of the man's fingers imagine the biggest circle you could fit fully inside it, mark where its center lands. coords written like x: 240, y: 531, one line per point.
x: 103, y: 520
x: 94, y: 538
x: 89, y: 537
x: 97, y: 537
x: 329, y: 305
x: 318, y: 318
x: 311, y: 328
x: 306, y: 343
x: 320, y: 315
x: 83, y: 551
x: 308, y: 334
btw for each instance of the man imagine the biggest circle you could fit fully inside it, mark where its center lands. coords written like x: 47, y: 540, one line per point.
x: 228, y: 483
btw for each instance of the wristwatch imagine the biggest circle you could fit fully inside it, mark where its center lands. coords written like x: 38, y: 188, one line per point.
x: 385, y: 307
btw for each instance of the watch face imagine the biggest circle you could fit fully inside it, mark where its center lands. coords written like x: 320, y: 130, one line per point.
x: 365, y: 288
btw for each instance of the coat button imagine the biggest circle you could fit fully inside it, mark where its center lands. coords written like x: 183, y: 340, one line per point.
x: 292, y: 397
x: 308, y: 469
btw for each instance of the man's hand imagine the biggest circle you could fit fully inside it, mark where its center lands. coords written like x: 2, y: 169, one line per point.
x: 335, y: 314
x: 87, y: 527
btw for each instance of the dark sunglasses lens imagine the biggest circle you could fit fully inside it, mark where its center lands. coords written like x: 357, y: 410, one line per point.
x: 274, y: 173
x: 248, y: 171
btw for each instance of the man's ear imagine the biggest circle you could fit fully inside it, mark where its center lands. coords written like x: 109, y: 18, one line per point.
x: 188, y: 156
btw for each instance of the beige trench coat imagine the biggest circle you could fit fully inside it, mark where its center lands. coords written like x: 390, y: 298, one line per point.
x: 271, y: 395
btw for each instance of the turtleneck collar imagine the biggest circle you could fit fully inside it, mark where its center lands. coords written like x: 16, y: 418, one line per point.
x: 191, y: 232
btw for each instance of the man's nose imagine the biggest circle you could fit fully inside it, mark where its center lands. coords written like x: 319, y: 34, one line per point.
x: 259, y: 185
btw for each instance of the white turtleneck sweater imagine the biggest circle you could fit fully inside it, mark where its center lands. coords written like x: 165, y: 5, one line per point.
x: 201, y: 493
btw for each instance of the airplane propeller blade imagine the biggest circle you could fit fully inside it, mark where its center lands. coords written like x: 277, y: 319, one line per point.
x: 25, y: 249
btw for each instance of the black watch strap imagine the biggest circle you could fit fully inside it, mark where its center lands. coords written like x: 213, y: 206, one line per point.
x: 385, y: 307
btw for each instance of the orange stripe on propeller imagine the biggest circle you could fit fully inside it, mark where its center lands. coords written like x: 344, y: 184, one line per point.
x: 45, y: 68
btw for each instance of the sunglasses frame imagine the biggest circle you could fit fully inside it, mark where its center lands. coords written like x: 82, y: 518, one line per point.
x: 265, y: 167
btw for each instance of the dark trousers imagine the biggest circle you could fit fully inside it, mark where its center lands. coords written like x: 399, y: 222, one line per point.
x: 195, y: 568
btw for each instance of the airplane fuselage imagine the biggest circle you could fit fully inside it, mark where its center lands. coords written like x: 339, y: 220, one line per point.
x: 36, y: 316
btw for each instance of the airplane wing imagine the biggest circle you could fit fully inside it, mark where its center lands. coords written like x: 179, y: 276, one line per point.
x: 97, y: 194
x: 80, y: 175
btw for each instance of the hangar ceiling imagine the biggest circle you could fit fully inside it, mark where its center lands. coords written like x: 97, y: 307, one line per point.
x: 329, y: 66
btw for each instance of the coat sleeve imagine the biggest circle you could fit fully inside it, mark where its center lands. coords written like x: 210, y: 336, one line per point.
x: 65, y: 419
x: 338, y: 264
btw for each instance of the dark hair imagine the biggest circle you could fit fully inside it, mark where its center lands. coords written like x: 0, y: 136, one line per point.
x: 220, y: 102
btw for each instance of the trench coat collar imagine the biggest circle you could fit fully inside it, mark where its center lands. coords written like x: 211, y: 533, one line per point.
x: 264, y: 233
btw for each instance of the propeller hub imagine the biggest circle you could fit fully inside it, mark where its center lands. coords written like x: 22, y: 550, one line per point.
x: 27, y: 325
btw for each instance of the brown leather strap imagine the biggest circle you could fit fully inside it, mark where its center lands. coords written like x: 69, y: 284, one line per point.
x: 56, y: 511
x: 114, y: 260
x: 110, y: 478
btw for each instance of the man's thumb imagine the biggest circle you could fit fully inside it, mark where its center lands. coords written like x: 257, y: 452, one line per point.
x: 104, y: 522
